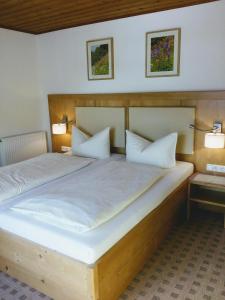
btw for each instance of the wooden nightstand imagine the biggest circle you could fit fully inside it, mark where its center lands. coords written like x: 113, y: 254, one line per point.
x: 207, y: 189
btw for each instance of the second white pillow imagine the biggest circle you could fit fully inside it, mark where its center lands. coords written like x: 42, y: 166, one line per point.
x: 161, y: 153
x: 97, y: 146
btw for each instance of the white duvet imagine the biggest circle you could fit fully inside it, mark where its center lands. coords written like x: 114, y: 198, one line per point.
x: 94, y: 198
x: 23, y: 176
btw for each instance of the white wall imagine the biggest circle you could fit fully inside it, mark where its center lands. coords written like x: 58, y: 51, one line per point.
x: 61, y: 56
x: 20, y: 101
x: 63, y: 53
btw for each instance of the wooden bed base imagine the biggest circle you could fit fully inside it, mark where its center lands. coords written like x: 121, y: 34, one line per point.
x: 64, y: 278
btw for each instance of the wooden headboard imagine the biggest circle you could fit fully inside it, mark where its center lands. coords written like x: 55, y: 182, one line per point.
x: 210, y: 106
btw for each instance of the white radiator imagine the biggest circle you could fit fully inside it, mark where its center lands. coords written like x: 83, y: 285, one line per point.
x: 17, y: 148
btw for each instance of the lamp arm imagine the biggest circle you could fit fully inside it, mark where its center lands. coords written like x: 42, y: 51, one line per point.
x: 192, y: 126
x: 71, y: 122
x: 215, y: 129
x: 66, y: 121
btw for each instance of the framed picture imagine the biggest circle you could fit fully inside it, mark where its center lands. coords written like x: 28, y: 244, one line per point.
x: 163, y: 53
x: 100, y: 59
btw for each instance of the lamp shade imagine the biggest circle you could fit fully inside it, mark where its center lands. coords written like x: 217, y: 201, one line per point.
x: 214, y: 140
x: 59, y: 128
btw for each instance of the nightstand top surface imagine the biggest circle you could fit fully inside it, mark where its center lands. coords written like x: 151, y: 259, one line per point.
x: 206, y: 179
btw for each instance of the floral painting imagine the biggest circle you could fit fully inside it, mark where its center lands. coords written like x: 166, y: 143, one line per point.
x: 100, y: 59
x: 162, y: 53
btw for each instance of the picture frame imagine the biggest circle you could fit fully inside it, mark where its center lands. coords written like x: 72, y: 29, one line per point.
x: 163, y: 53
x: 100, y: 59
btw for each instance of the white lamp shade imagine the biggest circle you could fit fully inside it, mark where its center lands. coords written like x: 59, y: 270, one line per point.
x: 59, y: 128
x: 214, y: 140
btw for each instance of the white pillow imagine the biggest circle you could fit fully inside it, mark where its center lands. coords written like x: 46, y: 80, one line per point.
x: 97, y: 146
x: 161, y: 153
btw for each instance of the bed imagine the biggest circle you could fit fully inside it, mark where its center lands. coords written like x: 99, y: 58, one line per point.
x: 98, y: 264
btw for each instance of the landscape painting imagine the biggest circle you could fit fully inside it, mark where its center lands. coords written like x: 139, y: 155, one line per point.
x: 163, y: 53
x: 100, y: 59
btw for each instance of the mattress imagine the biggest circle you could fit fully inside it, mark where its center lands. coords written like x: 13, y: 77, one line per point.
x: 90, y: 246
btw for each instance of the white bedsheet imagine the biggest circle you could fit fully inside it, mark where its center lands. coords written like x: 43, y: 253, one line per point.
x: 90, y: 246
x: 93, y: 198
x: 25, y: 175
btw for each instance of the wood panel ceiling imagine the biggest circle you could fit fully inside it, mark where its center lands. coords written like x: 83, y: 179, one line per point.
x: 40, y: 16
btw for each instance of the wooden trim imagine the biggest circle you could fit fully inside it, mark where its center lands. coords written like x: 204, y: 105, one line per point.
x: 61, y: 277
x: 206, y: 184
x: 210, y: 106
x: 207, y: 202
x: 48, y: 15
x: 215, y: 181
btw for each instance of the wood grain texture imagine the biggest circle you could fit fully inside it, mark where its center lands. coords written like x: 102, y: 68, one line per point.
x: 208, y: 180
x: 58, y: 276
x: 207, y: 192
x: 210, y: 106
x: 119, y: 265
x: 61, y: 277
x: 39, y: 16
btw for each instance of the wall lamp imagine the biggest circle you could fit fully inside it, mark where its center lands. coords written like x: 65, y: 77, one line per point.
x: 61, y: 127
x: 214, y: 138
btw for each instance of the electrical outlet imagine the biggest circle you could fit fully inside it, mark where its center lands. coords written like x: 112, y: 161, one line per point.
x: 215, y: 168
x: 65, y: 148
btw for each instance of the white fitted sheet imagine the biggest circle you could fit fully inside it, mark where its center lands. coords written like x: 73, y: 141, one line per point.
x: 90, y: 246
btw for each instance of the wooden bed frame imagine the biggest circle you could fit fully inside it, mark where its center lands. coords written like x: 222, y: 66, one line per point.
x: 64, y: 278
x: 210, y: 106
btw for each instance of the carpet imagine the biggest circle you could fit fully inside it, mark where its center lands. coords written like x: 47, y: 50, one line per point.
x: 189, y: 265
